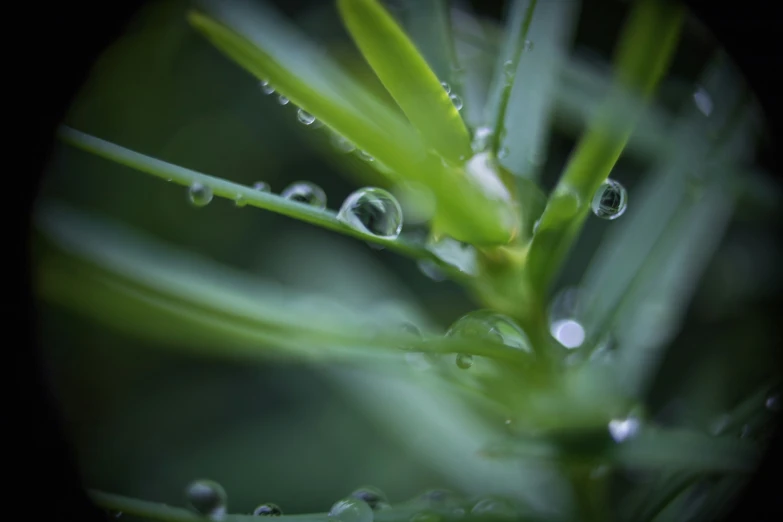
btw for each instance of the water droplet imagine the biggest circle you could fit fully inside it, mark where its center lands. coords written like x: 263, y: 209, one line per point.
x: 305, y: 117
x: 374, y: 211
x: 426, y: 516
x: 773, y: 402
x: 268, y: 510
x: 535, y: 225
x: 456, y: 100
x: 262, y: 186
x: 305, y: 192
x: 503, y: 152
x: 568, y: 332
x: 624, y: 429
x: 372, y: 495
x: 464, y: 361
x: 509, y: 69
x: 239, y: 200
x: 266, y: 88
x: 282, y: 100
x: 341, y: 143
x: 492, y: 326
x: 529, y: 45
x: 446, y: 87
x: 432, y: 270
x: 208, y: 498
x: 481, y: 139
x: 494, y: 507
x: 366, y: 157
x: 199, y: 194
x: 610, y: 200
x: 703, y: 101
x: 351, y: 510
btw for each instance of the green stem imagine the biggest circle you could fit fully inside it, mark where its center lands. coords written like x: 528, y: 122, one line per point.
x: 646, y: 47
x: 508, y: 84
x: 226, y: 189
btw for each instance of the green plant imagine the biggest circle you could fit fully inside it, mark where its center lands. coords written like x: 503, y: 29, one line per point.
x: 492, y: 229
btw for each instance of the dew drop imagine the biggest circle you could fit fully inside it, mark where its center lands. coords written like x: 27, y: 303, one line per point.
x: 373, y: 496
x: 282, y: 100
x: 266, y: 88
x: 568, y: 332
x: 464, y: 361
x: 503, y: 152
x: 494, y: 507
x: 535, y: 225
x: 208, y: 498
x: 624, y: 429
x: 366, y: 157
x: 373, y: 211
x: 426, y: 516
x: 351, y: 510
x: 410, y: 330
x: 342, y: 144
x: 305, y: 192
x: 492, y: 326
x: 305, y: 117
x: 481, y: 139
x: 529, y: 45
x: 509, y: 69
x: 199, y: 194
x: 703, y: 101
x: 261, y: 186
x: 239, y: 200
x: 773, y: 402
x: 268, y: 510
x: 610, y: 200
x: 432, y: 270
x: 446, y: 87
x: 456, y: 100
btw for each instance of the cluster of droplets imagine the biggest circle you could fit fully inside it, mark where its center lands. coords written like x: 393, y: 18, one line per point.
x: 454, y: 97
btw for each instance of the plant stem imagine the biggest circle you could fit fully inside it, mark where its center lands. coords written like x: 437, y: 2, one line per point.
x: 518, y: 47
x: 222, y: 188
x: 648, y: 42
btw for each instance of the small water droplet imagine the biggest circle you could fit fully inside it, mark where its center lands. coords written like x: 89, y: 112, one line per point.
x: 372, y: 495
x: 268, y: 510
x: 503, y: 152
x: 239, y: 200
x: 446, y: 87
x: 456, y: 100
x: 351, y: 510
x: 305, y: 117
x: 266, y: 88
x: 481, y: 139
x: 208, y: 498
x: 305, y: 192
x: 624, y: 429
x: 373, y: 211
x: 366, y: 157
x: 426, y: 516
x: 773, y: 402
x: 703, y: 101
x: 169, y: 179
x: 432, y: 270
x: 508, y: 69
x: 610, y: 200
x: 341, y: 143
x: 494, y: 507
x: 464, y: 361
x: 529, y: 45
x: 199, y: 194
x: 492, y: 326
x: 282, y: 100
x: 262, y: 186
x: 535, y: 225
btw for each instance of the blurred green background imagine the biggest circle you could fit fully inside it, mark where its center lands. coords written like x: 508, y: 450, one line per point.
x: 145, y: 422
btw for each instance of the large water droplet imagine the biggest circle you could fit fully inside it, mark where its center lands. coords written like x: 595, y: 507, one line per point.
x: 268, y: 510
x: 282, y: 100
x: 494, y: 507
x: 432, y: 270
x: 446, y: 87
x: 492, y: 326
x: 261, y: 186
x: 464, y: 361
x: 305, y: 192
x: 208, y: 498
x: 456, y: 100
x: 703, y: 101
x: 341, y: 143
x: 305, y: 117
x: 351, y: 510
x: 266, y: 88
x: 373, y: 211
x: 199, y: 194
x: 610, y: 200
x: 568, y: 332
x: 372, y: 495
x: 481, y: 139
x: 624, y: 429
